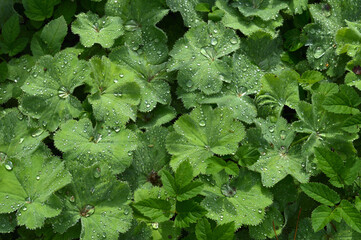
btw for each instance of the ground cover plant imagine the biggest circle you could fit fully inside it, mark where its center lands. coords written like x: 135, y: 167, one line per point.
x: 180, y: 119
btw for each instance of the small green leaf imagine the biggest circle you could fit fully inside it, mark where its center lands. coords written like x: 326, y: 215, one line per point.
x: 351, y: 215
x: 11, y: 29
x: 343, y: 102
x: 50, y: 39
x: 321, y: 193
x: 265, y: 9
x: 188, y: 212
x: 184, y: 174
x: 93, y: 29
x: 39, y: 10
x: 203, y: 229
x: 321, y: 216
x: 156, y: 209
x: 203, y: 7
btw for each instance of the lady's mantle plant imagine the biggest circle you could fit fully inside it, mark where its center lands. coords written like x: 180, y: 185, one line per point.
x: 180, y: 119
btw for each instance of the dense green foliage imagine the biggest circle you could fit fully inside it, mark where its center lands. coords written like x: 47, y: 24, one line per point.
x: 180, y: 119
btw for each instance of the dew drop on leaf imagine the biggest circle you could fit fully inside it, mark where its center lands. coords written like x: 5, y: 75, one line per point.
x: 97, y: 172
x: 234, y: 40
x: 214, y: 41
x: 9, y: 165
x: 202, y: 123
x: 37, y: 132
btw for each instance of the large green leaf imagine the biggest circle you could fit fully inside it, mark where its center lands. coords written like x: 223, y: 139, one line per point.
x: 98, y: 200
x: 281, y: 159
x: 27, y: 186
x: 343, y: 102
x: 198, y: 57
x: 115, y: 94
x: 50, y: 86
x: 201, y: 134
x: 150, y: 74
x: 140, y: 18
x: 93, y: 29
x: 84, y: 144
x: 242, y: 200
x: 322, y: 215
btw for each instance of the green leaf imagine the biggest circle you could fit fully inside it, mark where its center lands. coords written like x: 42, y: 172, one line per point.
x: 50, y: 39
x: 99, y: 202
x: 27, y: 186
x: 282, y: 159
x: 202, y: 7
x: 189, y: 191
x: 321, y: 193
x: 156, y: 209
x: 328, y: 19
x: 321, y: 216
x: 348, y: 39
x: 243, y: 202
x: 188, y: 212
x: 49, y: 90
x: 265, y: 9
x: 7, y: 223
x: 220, y: 232
x: 272, y: 222
x: 201, y: 134
x: 82, y: 143
x: 203, y: 229
x: 150, y: 73
x: 169, y: 183
x: 279, y: 91
x: 159, y: 116
x: 151, y: 145
x: 188, y: 10
x: 140, y: 18
x: 184, y: 174
x: 343, y: 102
x: 39, y: 10
x: 17, y: 139
x: 215, y: 165
x: 330, y: 163
x: 351, y: 215
x: 115, y: 94
x: 198, y: 57
x: 11, y: 29
x: 93, y: 29
x: 234, y: 19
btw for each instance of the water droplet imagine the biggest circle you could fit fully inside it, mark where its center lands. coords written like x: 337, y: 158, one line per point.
x: 63, y: 92
x: 189, y: 84
x: 38, y: 178
x: 131, y: 26
x: 24, y: 209
x: 72, y: 199
x: 234, y: 40
x: 319, y: 52
x: 271, y: 129
x: 155, y: 225
x: 214, y: 41
x: 9, y: 165
x: 37, y: 132
x: 202, y: 123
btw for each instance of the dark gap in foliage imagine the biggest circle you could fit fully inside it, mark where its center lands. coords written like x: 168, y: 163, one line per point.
x: 80, y: 93
x: 175, y: 30
x: 289, y: 114
x: 50, y: 143
x: 11, y: 103
x: 19, y: 8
